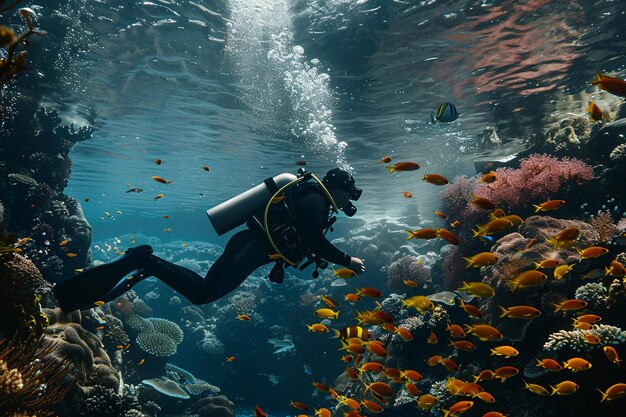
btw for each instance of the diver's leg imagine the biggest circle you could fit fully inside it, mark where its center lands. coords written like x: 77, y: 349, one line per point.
x: 246, y: 254
x: 243, y: 253
x: 89, y: 286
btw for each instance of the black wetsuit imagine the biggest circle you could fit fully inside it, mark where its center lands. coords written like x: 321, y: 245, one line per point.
x: 246, y: 251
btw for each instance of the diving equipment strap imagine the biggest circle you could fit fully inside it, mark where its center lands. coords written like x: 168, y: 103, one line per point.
x: 306, y: 176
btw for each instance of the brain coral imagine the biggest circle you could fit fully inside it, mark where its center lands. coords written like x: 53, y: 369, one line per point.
x: 168, y: 328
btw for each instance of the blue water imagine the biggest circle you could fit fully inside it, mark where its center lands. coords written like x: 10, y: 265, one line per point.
x: 250, y: 87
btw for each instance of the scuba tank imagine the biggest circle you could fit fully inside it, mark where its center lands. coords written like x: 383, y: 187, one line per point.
x: 236, y: 211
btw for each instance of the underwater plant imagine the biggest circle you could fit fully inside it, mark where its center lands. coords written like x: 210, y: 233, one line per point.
x: 30, y: 382
x: 14, y: 62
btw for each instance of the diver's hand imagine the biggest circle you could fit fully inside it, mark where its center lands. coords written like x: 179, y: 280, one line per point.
x: 357, y: 265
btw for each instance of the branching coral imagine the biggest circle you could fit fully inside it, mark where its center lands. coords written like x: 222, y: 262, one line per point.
x: 594, y: 293
x: 603, y: 224
x: 575, y: 339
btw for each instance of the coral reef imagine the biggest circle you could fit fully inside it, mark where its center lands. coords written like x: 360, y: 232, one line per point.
x: 217, y: 406
x: 157, y: 336
x: 574, y: 340
x: 30, y: 380
x: 106, y: 402
x: 22, y: 286
x: 593, y: 293
x: 408, y: 268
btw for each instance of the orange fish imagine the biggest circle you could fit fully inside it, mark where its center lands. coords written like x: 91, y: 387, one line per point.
x: 610, y: 84
x: 157, y: 161
x: 486, y: 397
x: 369, y: 292
x: 565, y: 238
x: 481, y: 259
x: 592, y: 252
x: 505, y: 372
x: 374, y: 367
x: 577, y: 364
x: 549, y: 205
x: 527, y: 279
x: 435, y: 179
x: 536, y: 389
x: 320, y: 386
x: 489, y: 177
x: 413, y: 390
x: 455, y: 331
x: 381, y: 388
x: 547, y: 263
x: 372, y: 406
x: 317, y: 328
x: 71, y: 255
x: 485, y: 375
x: 470, y: 309
x: 432, y: 338
x: 483, y: 203
x: 455, y: 223
x: 569, y: 305
x: 448, y: 236
x: 477, y: 289
x: 99, y: 328
x: 404, y: 333
x: 298, y: 405
x: 440, y: 215
x: 353, y: 298
x: 549, y: 364
x: 611, y: 355
x: 614, y: 392
x: 506, y: 351
x: 484, y: 332
x: 562, y: 270
x: 564, y: 388
x: 141, y: 362
x: 450, y: 365
x: 63, y: 242
x: 427, y: 401
x: 616, y: 269
x: 158, y: 196
x: 258, y: 412
x: 377, y: 348
x: 497, y: 225
x: 426, y: 233
x: 592, y: 339
x: 407, y: 194
x: 470, y: 389
x: 412, y: 375
x: 243, y: 317
x: 330, y: 301
x: 161, y: 180
x: 520, y: 312
x: 403, y: 166
x: 464, y: 345
x: 410, y: 283
x: 595, y: 114
x: 384, y: 160
x: 347, y: 358
x: 434, y: 360
x: 231, y: 358
x: 206, y: 168
x: 458, y: 407
x: 351, y: 373
x: 588, y: 318
x: 99, y: 303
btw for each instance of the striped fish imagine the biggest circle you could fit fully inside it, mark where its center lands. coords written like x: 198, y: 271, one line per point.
x: 446, y: 112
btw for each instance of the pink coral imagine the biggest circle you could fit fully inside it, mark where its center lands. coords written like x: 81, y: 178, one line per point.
x: 537, y: 178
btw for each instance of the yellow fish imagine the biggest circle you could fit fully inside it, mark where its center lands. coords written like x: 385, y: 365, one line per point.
x: 326, y: 313
x: 344, y: 273
x: 158, y: 196
x: 477, y: 289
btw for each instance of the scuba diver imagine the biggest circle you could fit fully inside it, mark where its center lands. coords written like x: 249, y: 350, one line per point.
x: 287, y: 218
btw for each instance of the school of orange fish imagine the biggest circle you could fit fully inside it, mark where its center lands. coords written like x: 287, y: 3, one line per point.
x: 356, y: 340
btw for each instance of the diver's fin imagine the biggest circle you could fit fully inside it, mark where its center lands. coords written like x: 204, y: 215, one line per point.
x: 88, y: 287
